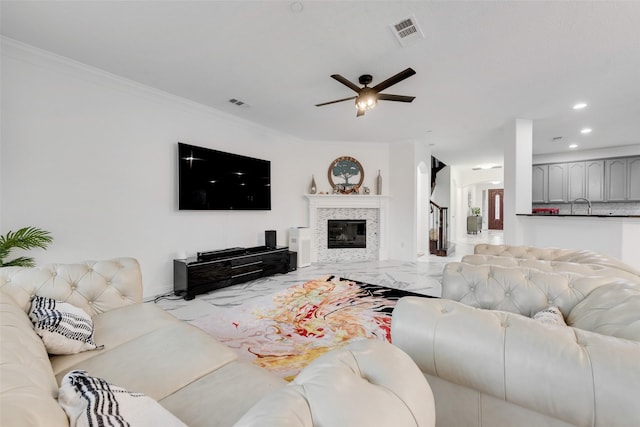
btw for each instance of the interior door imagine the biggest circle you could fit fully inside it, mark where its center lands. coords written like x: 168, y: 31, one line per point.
x: 496, y: 209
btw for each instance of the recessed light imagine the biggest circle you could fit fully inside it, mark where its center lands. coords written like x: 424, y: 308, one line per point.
x: 579, y: 106
x: 586, y: 130
x: 573, y: 146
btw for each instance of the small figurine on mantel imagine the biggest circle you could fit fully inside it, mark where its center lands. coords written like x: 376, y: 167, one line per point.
x: 367, y: 190
x: 313, y: 188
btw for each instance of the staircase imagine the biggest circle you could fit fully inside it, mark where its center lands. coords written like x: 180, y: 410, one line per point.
x: 439, y: 231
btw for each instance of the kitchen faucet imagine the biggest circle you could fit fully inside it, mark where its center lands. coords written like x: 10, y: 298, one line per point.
x: 586, y: 200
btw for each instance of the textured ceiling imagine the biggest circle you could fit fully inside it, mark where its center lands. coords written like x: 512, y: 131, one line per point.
x: 480, y: 65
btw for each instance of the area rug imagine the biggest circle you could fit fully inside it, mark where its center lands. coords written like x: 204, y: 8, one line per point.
x: 286, y: 331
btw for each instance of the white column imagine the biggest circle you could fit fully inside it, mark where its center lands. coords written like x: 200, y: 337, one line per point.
x: 518, y: 154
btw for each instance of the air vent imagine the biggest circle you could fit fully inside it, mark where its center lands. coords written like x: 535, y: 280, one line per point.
x: 407, y: 31
x: 238, y: 102
x: 556, y: 138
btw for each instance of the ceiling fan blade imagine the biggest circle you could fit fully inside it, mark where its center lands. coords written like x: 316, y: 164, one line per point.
x: 359, y: 113
x: 393, y: 80
x: 337, y: 100
x: 399, y: 98
x: 346, y: 82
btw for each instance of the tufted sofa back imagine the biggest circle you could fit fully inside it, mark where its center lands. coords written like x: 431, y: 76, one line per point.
x: 94, y: 286
x: 554, y: 254
x: 516, y: 289
x: 550, y: 266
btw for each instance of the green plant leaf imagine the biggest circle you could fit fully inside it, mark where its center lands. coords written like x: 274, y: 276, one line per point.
x: 25, y: 238
x: 21, y: 261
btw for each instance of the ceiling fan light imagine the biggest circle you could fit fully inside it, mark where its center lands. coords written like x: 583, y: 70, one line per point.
x: 366, y: 101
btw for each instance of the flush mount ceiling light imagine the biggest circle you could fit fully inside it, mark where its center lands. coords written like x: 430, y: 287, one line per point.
x: 585, y: 130
x: 579, y: 106
x: 486, y: 167
x: 573, y: 146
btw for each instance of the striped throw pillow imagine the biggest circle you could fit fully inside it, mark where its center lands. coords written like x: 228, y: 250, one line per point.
x: 91, y: 401
x: 64, y: 328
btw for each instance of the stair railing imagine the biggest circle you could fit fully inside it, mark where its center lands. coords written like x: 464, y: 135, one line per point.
x: 439, y: 230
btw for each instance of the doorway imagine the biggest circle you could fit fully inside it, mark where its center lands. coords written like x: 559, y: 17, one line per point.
x: 496, y: 209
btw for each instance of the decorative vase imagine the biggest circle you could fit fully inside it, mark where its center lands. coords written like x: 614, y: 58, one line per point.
x: 313, y: 185
x: 379, y: 183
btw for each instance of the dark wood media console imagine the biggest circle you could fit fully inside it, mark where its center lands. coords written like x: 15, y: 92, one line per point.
x: 217, y: 269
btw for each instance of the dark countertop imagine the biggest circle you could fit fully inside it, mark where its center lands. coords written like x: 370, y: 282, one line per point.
x: 582, y: 216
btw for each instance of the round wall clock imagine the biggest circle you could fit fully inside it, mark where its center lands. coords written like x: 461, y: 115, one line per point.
x: 346, y: 175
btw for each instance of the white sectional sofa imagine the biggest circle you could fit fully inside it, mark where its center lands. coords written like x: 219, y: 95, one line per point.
x: 489, y: 363
x: 196, y: 378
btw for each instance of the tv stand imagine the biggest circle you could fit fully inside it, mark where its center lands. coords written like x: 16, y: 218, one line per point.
x: 217, y: 269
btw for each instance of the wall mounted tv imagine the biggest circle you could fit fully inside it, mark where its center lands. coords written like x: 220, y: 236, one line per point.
x: 214, y: 180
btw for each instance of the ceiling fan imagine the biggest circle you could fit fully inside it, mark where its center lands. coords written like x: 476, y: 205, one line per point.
x: 368, y: 97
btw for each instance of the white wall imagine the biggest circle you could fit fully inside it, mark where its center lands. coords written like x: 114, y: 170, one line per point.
x: 93, y: 159
x: 423, y: 180
x: 442, y: 191
x: 404, y: 159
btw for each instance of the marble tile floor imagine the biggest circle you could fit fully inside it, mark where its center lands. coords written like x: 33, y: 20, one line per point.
x: 422, y: 276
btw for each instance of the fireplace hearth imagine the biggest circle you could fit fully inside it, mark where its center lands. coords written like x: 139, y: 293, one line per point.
x: 346, y: 233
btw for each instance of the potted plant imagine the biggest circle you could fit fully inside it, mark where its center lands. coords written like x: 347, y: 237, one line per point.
x: 475, y: 211
x: 25, y: 238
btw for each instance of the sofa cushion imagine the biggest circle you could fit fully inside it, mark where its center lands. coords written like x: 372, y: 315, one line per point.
x: 610, y: 310
x: 91, y: 401
x: 159, y: 362
x: 64, y: 329
x: 116, y: 327
x: 230, y: 391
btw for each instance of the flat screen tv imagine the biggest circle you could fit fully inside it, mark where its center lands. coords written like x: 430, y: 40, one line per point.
x: 214, y: 180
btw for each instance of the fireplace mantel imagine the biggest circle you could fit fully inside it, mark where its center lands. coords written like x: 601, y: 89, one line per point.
x: 348, y: 201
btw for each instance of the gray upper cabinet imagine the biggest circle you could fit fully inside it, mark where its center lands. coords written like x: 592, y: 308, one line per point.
x: 616, y: 180
x: 600, y: 180
x: 539, y: 180
x: 577, y: 180
x: 557, y: 182
x: 633, y: 178
x: 595, y: 180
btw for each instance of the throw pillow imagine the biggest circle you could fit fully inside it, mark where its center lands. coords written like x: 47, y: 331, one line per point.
x: 550, y: 316
x: 64, y: 328
x: 91, y: 401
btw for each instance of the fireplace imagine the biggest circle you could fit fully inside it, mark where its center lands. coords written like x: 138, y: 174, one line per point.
x: 370, y: 209
x: 346, y: 233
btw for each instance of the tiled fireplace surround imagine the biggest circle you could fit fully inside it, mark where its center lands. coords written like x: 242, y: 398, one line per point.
x: 373, y: 209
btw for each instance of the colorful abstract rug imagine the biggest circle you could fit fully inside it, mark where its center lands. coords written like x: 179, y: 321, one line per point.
x: 286, y: 331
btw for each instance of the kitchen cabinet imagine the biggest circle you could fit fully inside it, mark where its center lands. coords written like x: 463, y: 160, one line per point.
x: 576, y: 180
x: 595, y: 180
x: 600, y: 180
x: 633, y: 181
x: 616, y: 180
x: 557, y: 183
x: 539, y: 180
